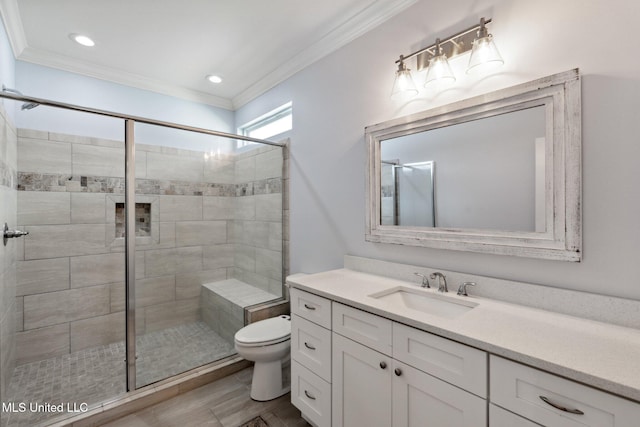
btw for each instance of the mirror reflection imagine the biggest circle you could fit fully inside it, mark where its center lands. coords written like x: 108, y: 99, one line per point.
x: 407, y: 194
x: 490, y: 175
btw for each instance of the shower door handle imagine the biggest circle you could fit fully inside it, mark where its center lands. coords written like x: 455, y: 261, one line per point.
x: 11, y: 234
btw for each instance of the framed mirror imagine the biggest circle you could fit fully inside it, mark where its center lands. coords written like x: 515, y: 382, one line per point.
x: 508, y: 175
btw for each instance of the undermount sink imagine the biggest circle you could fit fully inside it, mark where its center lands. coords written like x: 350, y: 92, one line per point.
x: 423, y: 301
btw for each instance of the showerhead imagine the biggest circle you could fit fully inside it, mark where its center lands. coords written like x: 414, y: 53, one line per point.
x: 26, y: 105
x: 29, y: 105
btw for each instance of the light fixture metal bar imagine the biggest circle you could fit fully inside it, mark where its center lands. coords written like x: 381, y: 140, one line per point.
x: 455, y: 45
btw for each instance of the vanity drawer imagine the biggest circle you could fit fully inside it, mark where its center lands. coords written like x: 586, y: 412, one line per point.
x: 498, y: 417
x: 455, y: 363
x: 365, y: 328
x: 520, y: 389
x: 311, y: 307
x: 311, y: 395
x: 311, y: 346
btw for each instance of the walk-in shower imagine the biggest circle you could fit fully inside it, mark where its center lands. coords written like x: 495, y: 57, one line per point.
x: 142, y: 254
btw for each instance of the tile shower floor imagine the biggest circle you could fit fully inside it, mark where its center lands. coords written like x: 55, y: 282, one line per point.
x: 97, y: 374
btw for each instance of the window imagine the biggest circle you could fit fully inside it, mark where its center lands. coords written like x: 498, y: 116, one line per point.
x: 273, y: 123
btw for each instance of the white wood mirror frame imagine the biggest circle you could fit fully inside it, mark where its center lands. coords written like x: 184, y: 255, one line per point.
x: 561, y: 240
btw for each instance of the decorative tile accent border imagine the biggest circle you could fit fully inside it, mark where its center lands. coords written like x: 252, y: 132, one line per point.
x: 8, y: 177
x: 30, y: 181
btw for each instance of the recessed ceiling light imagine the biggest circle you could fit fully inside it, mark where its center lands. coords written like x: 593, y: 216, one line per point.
x: 82, y: 39
x: 214, y: 79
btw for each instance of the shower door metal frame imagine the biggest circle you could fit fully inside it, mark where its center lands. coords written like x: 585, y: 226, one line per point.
x: 130, y: 250
x: 130, y: 193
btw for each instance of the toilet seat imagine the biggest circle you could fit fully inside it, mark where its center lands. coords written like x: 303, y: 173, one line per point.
x: 265, y: 332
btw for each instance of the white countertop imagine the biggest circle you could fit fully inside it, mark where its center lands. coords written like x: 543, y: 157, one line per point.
x: 598, y: 354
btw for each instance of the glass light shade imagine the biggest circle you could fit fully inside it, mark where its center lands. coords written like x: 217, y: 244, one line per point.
x: 484, y: 55
x: 403, y: 86
x: 439, y: 71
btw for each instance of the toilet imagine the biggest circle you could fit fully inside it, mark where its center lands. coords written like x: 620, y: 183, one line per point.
x: 268, y: 344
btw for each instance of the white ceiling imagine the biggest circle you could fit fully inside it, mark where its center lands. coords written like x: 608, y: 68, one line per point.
x: 169, y: 46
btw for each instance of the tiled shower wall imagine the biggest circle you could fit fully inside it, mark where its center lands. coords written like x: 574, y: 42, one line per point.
x: 208, y: 222
x: 257, y: 225
x: 8, y: 197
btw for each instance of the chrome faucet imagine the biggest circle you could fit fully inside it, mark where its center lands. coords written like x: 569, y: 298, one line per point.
x: 462, y: 290
x: 442, y: 281
x: 425, y: 281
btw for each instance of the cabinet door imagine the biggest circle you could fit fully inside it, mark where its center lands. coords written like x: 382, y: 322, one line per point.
x: 420, y: 400
x: 498, y: 417
x: 361, y: 389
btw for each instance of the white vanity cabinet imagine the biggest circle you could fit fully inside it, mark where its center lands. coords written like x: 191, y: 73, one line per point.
x: 387, y: 374
x: 550, y: 400
x: 352, y: 368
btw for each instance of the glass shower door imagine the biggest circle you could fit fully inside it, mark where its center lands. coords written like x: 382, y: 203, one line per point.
x: 184, y: 225
x: 70, y: 282
x: 208, y: 245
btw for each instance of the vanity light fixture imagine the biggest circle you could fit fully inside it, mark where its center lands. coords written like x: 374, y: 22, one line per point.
x: 435, y: 58
x: 484, y: 54
x: 403, y: 84
x: 439, y: 70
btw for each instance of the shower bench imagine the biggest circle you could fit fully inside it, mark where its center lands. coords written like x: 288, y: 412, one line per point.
x: 223, y: 304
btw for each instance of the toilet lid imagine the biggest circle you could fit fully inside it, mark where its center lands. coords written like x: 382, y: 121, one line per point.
x: 276, y: 328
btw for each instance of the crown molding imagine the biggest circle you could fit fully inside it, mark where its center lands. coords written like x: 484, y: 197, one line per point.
x: 13, y: 24
x: 372, y: 16
x: 12, y: 20
x: 114, y: 75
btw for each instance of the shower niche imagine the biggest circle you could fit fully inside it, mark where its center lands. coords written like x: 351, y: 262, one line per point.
x: 143, y: 220
x: 147, y: 220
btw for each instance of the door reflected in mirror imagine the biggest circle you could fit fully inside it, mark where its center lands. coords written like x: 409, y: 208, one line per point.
x: 490, y: 175
x: 407, y: 196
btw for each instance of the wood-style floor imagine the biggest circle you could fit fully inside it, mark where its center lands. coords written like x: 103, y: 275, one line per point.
x: 223, y: 403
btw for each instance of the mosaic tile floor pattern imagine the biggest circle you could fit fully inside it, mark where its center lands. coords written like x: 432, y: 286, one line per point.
x: 98, y: 374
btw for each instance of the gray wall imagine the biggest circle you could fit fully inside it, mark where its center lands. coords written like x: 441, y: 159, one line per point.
x: 39, y: 81
x: 335, y: 98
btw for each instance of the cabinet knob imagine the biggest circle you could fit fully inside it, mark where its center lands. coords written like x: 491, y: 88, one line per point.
x: 397, y: 371
x: 383, y: 365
